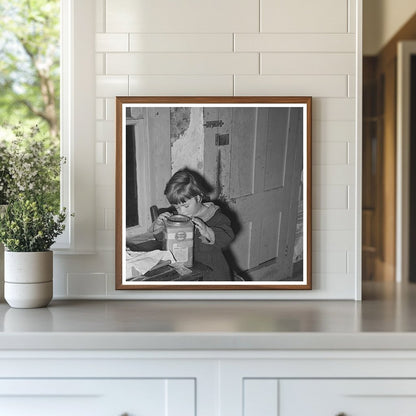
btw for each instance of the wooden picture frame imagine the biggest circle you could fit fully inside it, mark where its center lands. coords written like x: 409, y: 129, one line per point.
x: 253, y: 156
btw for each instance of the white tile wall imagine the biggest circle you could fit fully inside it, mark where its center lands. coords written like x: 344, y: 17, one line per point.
x: 233, y: 47
x: 181, y: 63
x: 174, y: 42
x: 182, y: 16
x: 112, y: 42
x: 283, y: 42
x: 313, y: 85
x: 310, y: 63
x: 330, y: 197
x: 300, y: 16
x: 181, y: 85
x: 330, y: 153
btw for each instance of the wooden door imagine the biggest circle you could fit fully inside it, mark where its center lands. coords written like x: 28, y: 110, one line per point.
x: 257, y: 169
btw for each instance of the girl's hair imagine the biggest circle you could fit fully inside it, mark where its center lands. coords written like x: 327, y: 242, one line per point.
x: 183, y: 185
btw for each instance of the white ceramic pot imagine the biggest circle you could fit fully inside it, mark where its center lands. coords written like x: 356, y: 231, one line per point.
x: 28, y: 278
x: 28, y: 295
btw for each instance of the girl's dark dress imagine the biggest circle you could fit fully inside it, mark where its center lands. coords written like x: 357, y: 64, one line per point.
x: 212, y: 255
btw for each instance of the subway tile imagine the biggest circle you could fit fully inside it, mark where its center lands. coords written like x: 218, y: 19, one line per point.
x: 112, y: 42
x: 105, y: 131
x: 352, y: 16
x: 100, y: 156
x: 333, y: 240
x: 111, y: 86
x: 111, y: 285
x: 86, y: 263
x: 294, y: 42
x: 110, y: 109
x: 86, y: 284
x: 333, y: 175
x: 166, y: 16
x: 351, y: 196
x: 338, y: 286
x: 181, y: 85
x: 100, y: 219
x: 184, y: 42
x: 100, y: 15
x: 182, y: 63
x: 105, y: 196
x: 60, y: 285
x: 300, y: 16
x: 351, y: 86
x: 309, y: 63
x: 334, y: 262
x: 351, y: 262
x: 99, y: 109
x: 351, y: 153
x: 110, y: 150
x: 333, y: 130
x: 333, y: 219
x: 99, y: 64
x: 330, y: 153
x: 330, y: 109
x: 309, y: 85
x: 330, y: 196
x: 109, y: 219
x: 105, y: 240
x: 105, y: 174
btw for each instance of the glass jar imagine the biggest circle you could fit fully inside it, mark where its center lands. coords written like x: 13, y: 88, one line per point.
x: 178, y: 238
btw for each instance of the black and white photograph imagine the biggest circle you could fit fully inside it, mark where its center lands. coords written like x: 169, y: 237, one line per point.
x: 213, y: 193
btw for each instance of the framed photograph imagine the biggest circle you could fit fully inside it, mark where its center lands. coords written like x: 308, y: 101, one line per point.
x: 213, y: 193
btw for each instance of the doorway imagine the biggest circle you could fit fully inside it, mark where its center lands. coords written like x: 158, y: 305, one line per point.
x: 386, y: 194
x: 406, y: 152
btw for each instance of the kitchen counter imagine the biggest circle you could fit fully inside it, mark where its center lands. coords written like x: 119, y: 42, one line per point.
x: 383, y: 320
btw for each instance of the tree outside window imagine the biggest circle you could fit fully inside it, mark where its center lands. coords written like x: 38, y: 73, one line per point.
x: 30, y: 68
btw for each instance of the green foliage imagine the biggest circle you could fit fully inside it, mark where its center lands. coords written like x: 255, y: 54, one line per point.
x: 30, y: 63
x: 30, y: 165
x: 30, y: 225
x: 5, y: 175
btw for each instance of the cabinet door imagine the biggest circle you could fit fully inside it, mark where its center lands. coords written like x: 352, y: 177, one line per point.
x: 347, y: 397
x: 86, y: 397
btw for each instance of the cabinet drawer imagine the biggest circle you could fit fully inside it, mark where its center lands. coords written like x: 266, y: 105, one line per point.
x: 86, y: 397
x: 347, y: 397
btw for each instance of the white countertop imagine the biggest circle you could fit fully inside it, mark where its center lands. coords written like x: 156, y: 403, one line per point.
x: 385, y: 319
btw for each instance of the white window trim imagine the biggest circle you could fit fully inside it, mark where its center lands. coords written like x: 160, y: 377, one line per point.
x: 78, y: 126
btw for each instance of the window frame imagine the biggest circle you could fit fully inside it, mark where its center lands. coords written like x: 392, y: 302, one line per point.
x: 78, y: 126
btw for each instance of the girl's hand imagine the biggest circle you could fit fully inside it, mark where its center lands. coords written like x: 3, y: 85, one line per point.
x: 204, y: 230
x: 159, y: 223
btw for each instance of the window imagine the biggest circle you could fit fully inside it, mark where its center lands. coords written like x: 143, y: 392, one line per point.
x: 29, y: 70
x: 78, y: 124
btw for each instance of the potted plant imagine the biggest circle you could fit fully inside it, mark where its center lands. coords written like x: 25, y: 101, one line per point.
x: 5, y: 179
x: 32, y: 220
x: 28, y: 228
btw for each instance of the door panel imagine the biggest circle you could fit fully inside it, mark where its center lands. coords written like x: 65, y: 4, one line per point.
x: 266, y: 164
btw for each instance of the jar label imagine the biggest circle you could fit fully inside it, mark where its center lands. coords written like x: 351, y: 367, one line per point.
x: 181, y: 254
x: 180, y: 236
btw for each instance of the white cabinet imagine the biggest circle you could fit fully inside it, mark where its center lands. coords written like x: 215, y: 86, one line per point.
x: 348, y: 397
x: 207, y: 383
x: 86, y: 397
x: 319, y: 383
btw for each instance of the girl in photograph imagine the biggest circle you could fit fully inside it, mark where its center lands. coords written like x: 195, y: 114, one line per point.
x: 186, y: 193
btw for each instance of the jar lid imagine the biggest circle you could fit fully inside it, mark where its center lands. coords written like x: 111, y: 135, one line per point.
x: 178, y: 218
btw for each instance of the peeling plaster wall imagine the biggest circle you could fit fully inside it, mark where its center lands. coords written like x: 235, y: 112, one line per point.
x: 189, y: 145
